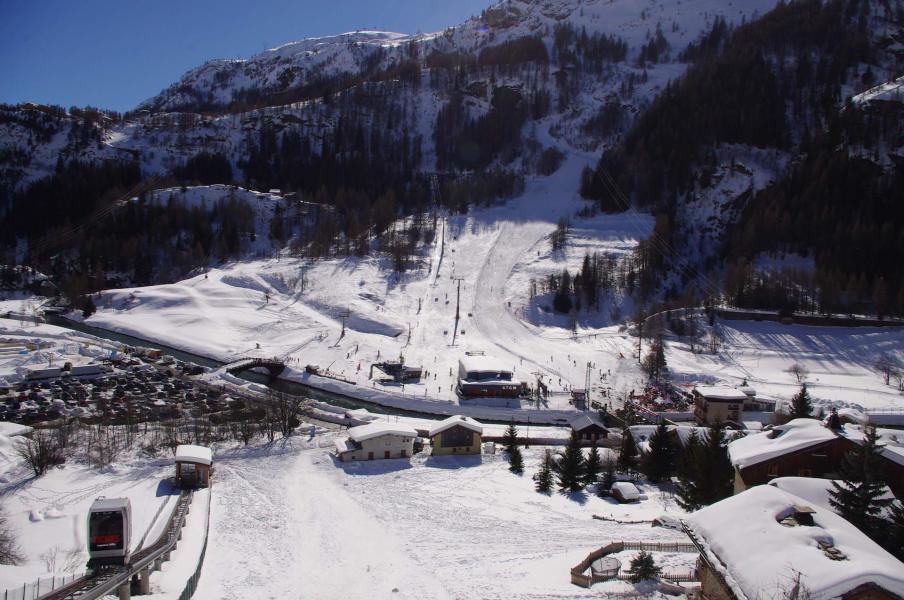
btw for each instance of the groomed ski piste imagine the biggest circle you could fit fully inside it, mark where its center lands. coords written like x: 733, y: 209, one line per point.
x: 296, y: 309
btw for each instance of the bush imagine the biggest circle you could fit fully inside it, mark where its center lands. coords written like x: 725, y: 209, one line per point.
x: 40, y: 451
x: 10, y: 552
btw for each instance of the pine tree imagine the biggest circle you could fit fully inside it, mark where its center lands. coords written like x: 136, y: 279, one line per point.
x: 605, y: 485
x: 510, y: 438
x: 858, y: 496
x: 592, y: 466
x: 570, y: 466
x: 643, y: 567
x: 627, y: 456
x: 510, y: 441
x: 689, y: 464
x: 658, y: 464
x: 894, y: 530
x: 717, y: 473
x: 801, y: 405
x: 516, y: 461
x: 654, y: 362
x: 543, y: 478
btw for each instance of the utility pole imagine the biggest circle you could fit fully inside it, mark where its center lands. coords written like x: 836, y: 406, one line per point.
x: 344, y: 315
x: 457, y: 305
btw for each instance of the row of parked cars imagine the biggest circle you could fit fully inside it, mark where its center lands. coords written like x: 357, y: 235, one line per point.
x: 131, y: 389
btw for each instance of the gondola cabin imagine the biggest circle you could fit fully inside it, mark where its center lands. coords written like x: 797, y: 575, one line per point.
x: 109, y: 532
x: 193, y: 466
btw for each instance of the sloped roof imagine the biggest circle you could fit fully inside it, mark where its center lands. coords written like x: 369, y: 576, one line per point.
x: 720, y: 392
x: 343, y: 445
x: 466, y: 422
x: 378, y: 428
x: 780, y: 440
x: 584, y: 421
x: 759, y: 557
x: 194, y: 454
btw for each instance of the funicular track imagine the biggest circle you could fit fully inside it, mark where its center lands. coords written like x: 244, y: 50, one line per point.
x: 107, y: 581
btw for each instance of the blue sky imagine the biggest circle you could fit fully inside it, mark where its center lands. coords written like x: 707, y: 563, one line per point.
x: 116, y: 53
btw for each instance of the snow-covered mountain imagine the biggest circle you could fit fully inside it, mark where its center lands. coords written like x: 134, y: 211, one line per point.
x: 513, y: 90
x: 285, y: 87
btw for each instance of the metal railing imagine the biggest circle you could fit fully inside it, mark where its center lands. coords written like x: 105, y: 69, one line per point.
x: 42, y: 585
x: 105, y: 582
x: 192, y: 584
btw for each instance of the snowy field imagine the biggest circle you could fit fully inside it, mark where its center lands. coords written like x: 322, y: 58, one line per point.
x: 294, y: 309
x: 447, y: 527
x: 49, y: 514
x: 841, y: 361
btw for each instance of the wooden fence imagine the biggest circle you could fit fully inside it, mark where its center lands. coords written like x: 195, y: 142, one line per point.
x: 580, y: 578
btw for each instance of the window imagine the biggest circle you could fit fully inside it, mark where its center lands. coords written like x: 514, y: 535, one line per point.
x: 106, y: 530
x: 773, y: 471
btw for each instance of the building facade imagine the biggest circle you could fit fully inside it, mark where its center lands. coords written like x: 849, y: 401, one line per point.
x: 714, y: 403
x: 456, y: 435
x: 378, y: 440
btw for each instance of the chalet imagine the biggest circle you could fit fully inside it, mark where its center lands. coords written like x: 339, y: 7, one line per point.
x: 718, y: 403
x: 193, y: 465
x: 753, y: 402
x: 588, y: 428
x: 480, y: 375
x: 783, y: 547
x: 808, y: 448
x: 456, y: 435
x: 377, y: 440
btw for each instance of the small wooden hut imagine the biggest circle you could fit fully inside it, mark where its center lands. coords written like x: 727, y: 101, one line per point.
x: 193, y: 466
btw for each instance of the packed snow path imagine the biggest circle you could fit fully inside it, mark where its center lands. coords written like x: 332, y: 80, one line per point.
x: 290, y: 522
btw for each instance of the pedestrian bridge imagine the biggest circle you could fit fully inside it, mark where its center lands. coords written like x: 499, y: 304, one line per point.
x: 274, y: 365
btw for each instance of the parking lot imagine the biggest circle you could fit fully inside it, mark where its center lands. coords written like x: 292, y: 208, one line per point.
x: 135, y: 389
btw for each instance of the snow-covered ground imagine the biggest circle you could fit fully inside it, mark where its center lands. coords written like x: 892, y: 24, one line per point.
x: 294, y: 309
x: 840, y: 360
x: 448, y: 527
x: 49, y: 515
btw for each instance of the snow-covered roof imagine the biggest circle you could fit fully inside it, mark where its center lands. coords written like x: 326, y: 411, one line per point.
x: 782, y: 439
x: 194, y: 454
x: 720, y: 392
x: 749, y: 391
x: 378, y: 428
x: 626, y: 489
x: 814, y: 490
x: 484, y: 364
x: 584, y: 421
x: 361, y: 414
x: 343, y: 445
x: 466, y: 422
x: 759, y: 557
